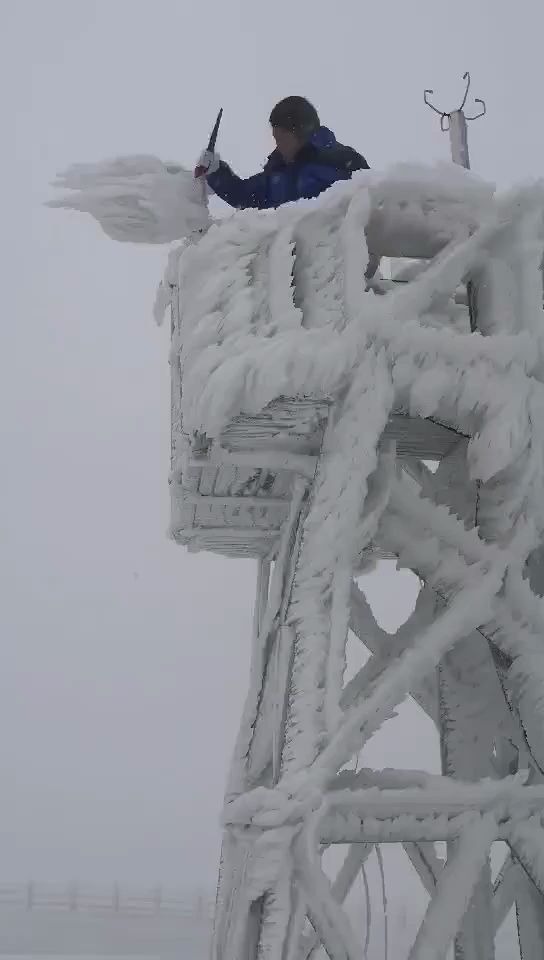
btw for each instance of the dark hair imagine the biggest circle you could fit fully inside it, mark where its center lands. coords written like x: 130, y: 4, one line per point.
x: 295, y: 114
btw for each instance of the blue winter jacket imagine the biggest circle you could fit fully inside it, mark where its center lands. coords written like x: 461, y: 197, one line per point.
x: 321, y: 162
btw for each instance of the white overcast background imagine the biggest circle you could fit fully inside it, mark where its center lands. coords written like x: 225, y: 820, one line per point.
x: 124, y: 659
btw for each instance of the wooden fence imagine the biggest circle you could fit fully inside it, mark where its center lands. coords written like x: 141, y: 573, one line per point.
x: 117, y: 899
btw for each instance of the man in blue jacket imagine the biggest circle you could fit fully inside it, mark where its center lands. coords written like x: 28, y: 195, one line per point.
x: 307, y: 160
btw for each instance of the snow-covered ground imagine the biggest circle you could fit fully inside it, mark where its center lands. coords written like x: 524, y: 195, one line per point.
x: 50, y: 936
x: 47, y: 933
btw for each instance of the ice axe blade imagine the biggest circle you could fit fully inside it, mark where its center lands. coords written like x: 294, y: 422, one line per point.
x: 213, y: 137
x: 200, y: 171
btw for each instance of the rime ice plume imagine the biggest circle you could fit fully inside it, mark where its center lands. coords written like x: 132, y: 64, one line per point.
x: 136, y: 199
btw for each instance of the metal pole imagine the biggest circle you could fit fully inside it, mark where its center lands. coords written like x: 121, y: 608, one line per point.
x: 455, y: 121
x: 460, y: 155
x: 459, y: 139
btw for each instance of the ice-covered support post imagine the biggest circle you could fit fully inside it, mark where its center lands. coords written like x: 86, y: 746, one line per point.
x: 456, y: 123
x: 461, y: 756
x: 466, y: 733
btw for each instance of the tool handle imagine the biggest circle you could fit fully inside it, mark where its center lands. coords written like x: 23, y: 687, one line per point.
x: 201, y: 171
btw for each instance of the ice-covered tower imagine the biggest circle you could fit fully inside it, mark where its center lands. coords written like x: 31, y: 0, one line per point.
x: 322, y: 421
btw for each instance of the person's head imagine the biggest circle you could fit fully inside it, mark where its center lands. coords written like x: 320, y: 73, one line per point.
x: 293, y: 121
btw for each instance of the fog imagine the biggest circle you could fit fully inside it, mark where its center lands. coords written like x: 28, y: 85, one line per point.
x: 124, y: 658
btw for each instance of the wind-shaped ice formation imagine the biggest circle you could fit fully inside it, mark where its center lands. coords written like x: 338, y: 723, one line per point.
x: 136, y: 199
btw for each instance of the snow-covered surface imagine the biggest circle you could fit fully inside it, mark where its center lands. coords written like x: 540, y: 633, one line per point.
x: 48, y: 939
x: 66, y: 934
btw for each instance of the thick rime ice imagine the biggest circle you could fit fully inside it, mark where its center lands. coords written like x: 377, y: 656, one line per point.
x: 287, y: 307
x: 137, y: 199
x: 254, y: 355
x: 287, y: 304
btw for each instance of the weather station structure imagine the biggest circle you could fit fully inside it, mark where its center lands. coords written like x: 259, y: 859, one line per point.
x: 326, y: 417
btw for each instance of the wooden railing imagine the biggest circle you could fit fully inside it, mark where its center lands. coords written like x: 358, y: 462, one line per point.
x: 116, y: 899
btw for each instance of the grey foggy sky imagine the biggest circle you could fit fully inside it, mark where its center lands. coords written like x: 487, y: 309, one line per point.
x: 124, y: 659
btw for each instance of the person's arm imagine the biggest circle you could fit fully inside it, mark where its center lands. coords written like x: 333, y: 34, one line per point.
x: 237, y: 192
x: 358, y: 162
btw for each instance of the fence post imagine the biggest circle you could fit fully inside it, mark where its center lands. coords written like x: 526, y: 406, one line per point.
x: 72, y: 898
x: 30, y: 895
x: 158, y: 899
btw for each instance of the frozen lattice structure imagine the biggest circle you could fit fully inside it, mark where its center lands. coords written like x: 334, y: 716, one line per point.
x: 308, y: 399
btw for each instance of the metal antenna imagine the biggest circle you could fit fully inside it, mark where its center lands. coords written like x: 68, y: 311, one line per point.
x: 455, y: 121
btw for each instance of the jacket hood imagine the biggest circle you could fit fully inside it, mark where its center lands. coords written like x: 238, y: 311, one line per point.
x: 322, y: 139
